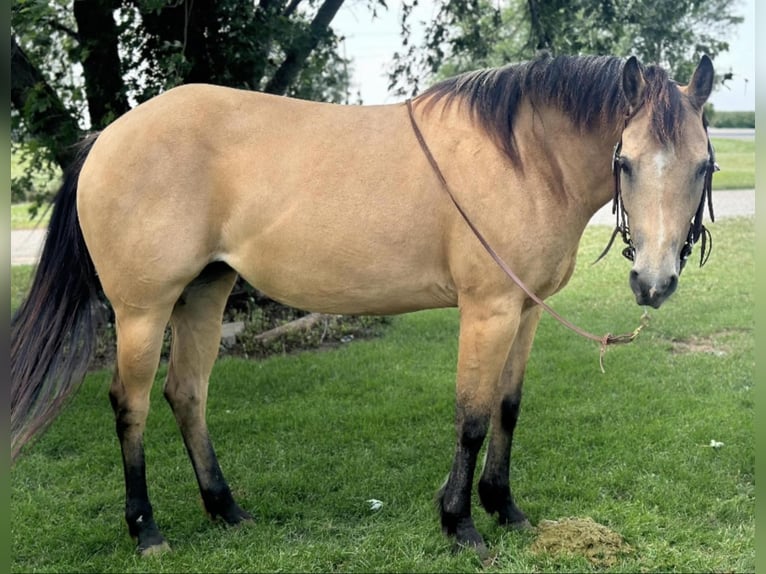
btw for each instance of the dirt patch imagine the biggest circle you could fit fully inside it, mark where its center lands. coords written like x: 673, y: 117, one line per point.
x: 710, y: 345
x: 580, y: 536
x: 698, y: 346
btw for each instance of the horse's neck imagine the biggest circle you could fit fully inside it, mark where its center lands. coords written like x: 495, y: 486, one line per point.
x: 580, y: 161
x: 568, y: 170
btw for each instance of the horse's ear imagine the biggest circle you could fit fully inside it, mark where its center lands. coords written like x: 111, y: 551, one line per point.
x: 633, y: 82
x: 701, y: 84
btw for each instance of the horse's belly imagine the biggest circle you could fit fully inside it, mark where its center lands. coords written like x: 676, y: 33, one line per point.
x: 346, y: 275
x: 352, y: 300
x: 362, y: 294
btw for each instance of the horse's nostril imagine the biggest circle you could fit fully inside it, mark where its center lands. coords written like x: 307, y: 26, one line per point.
x: 672, y: 283
x: 633, y: 275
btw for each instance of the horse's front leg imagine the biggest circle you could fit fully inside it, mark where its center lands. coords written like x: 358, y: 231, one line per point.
x: 486, y: 334
x: 494, y: 484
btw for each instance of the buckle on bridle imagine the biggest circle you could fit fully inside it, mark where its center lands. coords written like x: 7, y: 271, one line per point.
x: 616, y: 157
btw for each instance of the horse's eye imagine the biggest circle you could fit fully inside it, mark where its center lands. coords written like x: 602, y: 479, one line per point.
x: 625, y: 166
x: 702, y: 170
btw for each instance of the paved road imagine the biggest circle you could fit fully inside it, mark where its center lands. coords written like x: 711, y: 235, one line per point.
x: 26, y: 245
x: 733, y: 133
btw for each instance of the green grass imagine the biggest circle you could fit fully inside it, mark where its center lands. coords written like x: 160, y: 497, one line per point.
x: 22, y: 219
x: 737, y: 161
x: 305, y: 440
x: 21, y: 276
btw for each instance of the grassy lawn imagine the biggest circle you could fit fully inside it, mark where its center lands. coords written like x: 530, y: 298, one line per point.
x: 737, y: 161
x: 22, y: 219
x: 21, y: 276
x: 306, y: 440
x: 46, y: 182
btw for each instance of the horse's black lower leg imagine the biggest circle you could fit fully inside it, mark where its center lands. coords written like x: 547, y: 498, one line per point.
x: 455, y: 496
x: 494, y: 485
x: 215, y: 492
x: 196, y: 325
x: 138, y: 510
x: 139, y: 343
x: 487, y: 330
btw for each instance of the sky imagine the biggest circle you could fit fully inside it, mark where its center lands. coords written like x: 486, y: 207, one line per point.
x: 371, y: 45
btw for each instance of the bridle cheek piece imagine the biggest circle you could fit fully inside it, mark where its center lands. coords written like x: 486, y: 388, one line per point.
x: 697, y: 230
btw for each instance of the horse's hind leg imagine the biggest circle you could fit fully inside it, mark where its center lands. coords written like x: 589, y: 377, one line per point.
x: 494, y: 486
x: 196, y: 330
x: 139, y: 343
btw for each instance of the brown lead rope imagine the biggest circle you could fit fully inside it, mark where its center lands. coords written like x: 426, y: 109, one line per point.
x: 604, y: 341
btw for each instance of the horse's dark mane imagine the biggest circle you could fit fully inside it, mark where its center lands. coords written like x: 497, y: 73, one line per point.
x: 586, y: 88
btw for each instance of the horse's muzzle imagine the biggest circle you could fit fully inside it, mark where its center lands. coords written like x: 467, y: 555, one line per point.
x: 652, y: 290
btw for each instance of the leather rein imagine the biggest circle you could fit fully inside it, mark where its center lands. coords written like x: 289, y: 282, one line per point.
x: 697, y: 230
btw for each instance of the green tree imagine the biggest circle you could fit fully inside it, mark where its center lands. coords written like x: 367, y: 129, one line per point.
x: 81, y: 65
x: 470, y: 34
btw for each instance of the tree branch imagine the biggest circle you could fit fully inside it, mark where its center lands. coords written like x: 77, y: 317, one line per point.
x: 291, y: 7
x: 56, y: 25
x: 45, y: 115
x: 301, y: 324
x: 302, y: 48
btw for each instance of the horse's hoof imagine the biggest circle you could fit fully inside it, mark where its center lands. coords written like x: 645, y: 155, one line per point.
x: 225, y: 510
x: 149, y: 539
x: 154, y: 549
x: 241, y: 519
x: 520, y: 525
x: 468, y: 538
x: 481, y: 551
x: 233, y: 516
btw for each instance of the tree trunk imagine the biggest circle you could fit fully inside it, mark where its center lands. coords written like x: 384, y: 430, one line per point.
x: 540, y: 36
x: 98, y: 35
x: 302, y: 48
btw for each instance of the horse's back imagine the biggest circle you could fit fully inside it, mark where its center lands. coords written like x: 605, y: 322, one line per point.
x: 319, y: 205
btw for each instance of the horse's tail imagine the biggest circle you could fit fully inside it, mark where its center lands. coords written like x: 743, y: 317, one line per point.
x: 53, y: 333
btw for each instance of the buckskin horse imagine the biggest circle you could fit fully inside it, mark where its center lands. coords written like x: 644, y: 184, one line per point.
x: 357, y: 210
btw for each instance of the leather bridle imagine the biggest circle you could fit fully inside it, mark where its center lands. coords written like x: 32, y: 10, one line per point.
x: 697, y: 230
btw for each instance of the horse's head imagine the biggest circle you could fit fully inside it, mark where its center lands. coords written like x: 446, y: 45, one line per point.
x: 662, y: 165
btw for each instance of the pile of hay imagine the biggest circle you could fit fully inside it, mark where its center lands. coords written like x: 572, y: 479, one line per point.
x: 580, y: 536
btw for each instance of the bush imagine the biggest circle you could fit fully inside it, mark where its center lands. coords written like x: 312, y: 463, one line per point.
x: 732, y: 119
